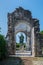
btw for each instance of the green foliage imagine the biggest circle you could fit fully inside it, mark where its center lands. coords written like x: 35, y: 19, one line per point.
x: 24, y: 45
x: 41, y: 32
x: 3, y: 49
x: 17, y: 45
x: 0, y: 29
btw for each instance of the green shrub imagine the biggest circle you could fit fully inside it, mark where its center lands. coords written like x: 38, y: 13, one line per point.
x: 3, y: 50
x: 24, y: 45
x: 18, y: 45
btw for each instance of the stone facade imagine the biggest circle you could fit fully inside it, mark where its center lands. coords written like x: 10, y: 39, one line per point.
x: 22, y: 16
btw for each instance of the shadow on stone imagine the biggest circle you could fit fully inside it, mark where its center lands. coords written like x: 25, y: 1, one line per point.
x: 12, y: 61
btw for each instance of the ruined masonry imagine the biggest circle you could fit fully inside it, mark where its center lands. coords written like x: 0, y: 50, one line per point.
x: 21, y: 21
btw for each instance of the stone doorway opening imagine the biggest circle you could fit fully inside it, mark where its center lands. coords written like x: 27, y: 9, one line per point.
x: 20, y: 41
x: 23, y: 47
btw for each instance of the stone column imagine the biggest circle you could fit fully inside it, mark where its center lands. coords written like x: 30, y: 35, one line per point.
x: 11, y: 32
x: 13, y: 37
x: 28, y: 43
x: 33, y: 42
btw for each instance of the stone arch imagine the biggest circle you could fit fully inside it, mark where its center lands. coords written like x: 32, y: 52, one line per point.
x: 20, y: 17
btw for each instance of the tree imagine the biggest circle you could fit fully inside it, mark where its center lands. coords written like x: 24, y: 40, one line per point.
x: 0, y: 29
x: 3, y: 49
x: 41, y: 32
x: 41, y: 37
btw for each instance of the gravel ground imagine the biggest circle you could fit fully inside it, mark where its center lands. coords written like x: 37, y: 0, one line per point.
x: 38, y: 62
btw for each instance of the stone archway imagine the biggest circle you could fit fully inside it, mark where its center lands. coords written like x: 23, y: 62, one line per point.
x: 21, y: 21
x: 24, y: 26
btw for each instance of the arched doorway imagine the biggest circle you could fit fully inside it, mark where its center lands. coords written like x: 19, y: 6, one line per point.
x: 23, y: 30
x: 20, y: 41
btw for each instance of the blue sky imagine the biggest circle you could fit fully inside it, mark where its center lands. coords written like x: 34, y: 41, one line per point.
x: 35, y: 6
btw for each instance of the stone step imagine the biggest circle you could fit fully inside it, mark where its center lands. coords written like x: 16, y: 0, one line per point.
x: 26, y: 54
